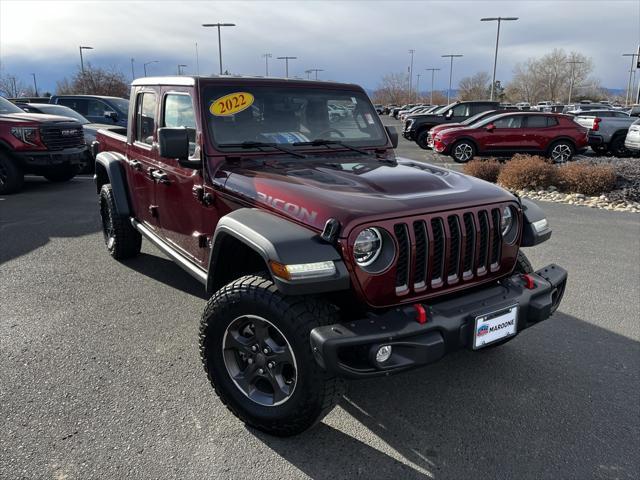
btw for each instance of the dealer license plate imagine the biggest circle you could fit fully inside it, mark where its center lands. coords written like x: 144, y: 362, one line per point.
x: 494, y: 326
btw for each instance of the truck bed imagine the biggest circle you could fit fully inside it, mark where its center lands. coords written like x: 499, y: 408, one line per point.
x: 112, y: 139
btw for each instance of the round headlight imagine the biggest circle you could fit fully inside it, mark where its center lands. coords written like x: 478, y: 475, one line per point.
x: 507, y: 221
x: 367, y: 246
x: 509, y: 225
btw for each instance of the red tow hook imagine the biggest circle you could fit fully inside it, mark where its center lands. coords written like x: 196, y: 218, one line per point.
x: 528, y: 281
x: 421, y: 313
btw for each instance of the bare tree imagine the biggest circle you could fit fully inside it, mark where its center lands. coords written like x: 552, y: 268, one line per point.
x: 95, y: 81
x: 475, y: 87
x: 13, y: 87
x: 549, y: 77
x: 392, y: 89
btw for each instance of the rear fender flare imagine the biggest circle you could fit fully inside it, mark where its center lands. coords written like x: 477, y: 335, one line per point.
x: 277, y: 239
x: 112, y: 164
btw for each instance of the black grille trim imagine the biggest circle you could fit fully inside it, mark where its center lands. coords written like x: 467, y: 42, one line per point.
x: 402, y: 264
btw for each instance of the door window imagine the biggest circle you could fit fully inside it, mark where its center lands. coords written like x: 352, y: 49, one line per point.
x: 178, y: 112
x: 96, y: 108
x: 145, y: 117
x: 537, y: 121
x: 461, y: 110
x: 509, y: 122
x: 77, y: 104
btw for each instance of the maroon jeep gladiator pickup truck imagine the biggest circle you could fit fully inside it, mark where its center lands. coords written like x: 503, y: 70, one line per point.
x: 47, y: 145
x: 326, y: 256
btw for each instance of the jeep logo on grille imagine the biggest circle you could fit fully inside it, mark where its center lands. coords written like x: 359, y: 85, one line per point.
x: 69, y: 132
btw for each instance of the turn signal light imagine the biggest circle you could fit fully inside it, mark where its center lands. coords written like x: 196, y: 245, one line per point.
x: 596, y: 124
x: 421, y: 313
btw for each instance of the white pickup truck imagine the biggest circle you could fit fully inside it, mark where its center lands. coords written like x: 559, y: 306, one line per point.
x: 607, y: 130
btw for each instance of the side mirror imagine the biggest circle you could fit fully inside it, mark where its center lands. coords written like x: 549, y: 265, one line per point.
x: 111, y: 115
x: 490, y: 128
x: 449, y: 114
x: 174, y: 143
x: 393, y: 135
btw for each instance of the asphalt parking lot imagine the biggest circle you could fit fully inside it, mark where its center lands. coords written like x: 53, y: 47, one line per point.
x: 100, y: 375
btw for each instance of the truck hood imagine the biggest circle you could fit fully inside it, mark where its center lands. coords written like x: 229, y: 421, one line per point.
x: 311, y: 191
x: 35, y: 118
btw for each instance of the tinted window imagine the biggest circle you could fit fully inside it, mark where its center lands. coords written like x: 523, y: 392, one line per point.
x: 620, y: 115
x: 536, y: 121
x: 178, y: 112
x: 461, y: 110
x: 552, y: 121
x: 96, y: 108
x: 77, y: 104
x: 145, y: 117
x: 514, y: 121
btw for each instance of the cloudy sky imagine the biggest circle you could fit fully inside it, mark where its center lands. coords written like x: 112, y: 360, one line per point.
x: 354, y: 41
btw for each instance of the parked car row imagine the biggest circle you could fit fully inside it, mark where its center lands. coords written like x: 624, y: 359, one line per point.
x: 554, y: 135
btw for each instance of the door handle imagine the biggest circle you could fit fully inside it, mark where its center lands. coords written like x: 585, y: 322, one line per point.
x: 135, y: 164
x: 160, y: 176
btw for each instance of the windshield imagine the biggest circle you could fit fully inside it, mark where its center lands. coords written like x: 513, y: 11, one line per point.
x: 63, y: 111
x: 442, y: 109
x: 7, y: 107
x: 288, y: 115
x: 121, y: 104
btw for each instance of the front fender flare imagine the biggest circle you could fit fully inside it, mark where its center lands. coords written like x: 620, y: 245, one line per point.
x: 281, y: 240
x: 534, y: 230
x: 113, y: 164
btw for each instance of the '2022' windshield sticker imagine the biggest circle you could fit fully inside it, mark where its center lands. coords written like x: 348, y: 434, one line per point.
x: 231, y: 104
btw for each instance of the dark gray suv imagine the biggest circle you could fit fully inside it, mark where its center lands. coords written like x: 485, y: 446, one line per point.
x: 96, y: 108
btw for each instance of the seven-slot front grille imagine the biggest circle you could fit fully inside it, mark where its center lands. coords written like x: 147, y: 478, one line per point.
x: 61, y: 137
x: 442, y: 250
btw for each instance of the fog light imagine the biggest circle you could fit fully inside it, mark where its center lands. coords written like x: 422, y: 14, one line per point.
x: 383, y: 353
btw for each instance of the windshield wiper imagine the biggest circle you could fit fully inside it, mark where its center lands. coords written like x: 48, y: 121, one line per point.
x: 327, y: 142
x: 260, y: 145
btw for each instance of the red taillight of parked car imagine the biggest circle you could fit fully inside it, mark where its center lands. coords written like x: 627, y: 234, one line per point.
x: 596, y: 124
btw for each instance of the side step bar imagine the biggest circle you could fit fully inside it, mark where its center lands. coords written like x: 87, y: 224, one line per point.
x: 194, y: 270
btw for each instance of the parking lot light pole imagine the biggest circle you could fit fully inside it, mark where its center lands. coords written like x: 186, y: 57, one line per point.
x: 286, y: 64
x: 450, y: 56
x: 433, y: 71
x: 316, y: 70
x: 35, y: 85
x: 495, y: 57
x: 571, y: 79
x: 418, y: 86
x: 144, y: 66
x: 82, y: 65
x: 629, y: 95
x: 411, y: 52
x: 266, y: 57
x: 180, y: 67
x: 133, y: 73
x: 218, y: 25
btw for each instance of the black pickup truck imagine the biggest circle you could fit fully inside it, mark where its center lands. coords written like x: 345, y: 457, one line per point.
x: 416, y: 127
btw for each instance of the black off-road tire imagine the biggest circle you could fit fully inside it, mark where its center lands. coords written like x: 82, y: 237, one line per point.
x: 421, y: 139
x: 62, y: 173
x: 121, y: 239
x: 523, y: 265
x: 315, y: 393
x: 11, y: 175
x: 617, y: 148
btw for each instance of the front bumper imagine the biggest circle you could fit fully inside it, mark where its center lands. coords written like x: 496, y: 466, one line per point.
x: 348, y: 349
x: 70, y: 156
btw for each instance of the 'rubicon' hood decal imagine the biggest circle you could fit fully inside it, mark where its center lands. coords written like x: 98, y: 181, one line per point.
x: 312, y: 191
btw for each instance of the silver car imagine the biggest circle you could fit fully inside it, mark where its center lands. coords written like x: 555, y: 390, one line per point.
x: 632, y: 141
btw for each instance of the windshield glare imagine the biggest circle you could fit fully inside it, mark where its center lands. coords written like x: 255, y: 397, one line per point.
x: 7, y: 107
x: 475, y: 118
x: 121, y: 104
x: 288, y: 115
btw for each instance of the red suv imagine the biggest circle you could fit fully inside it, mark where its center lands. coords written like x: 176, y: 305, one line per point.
x: 554, y: 135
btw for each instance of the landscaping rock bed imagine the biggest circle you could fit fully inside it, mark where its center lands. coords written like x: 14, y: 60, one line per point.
x: 611, y: 201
